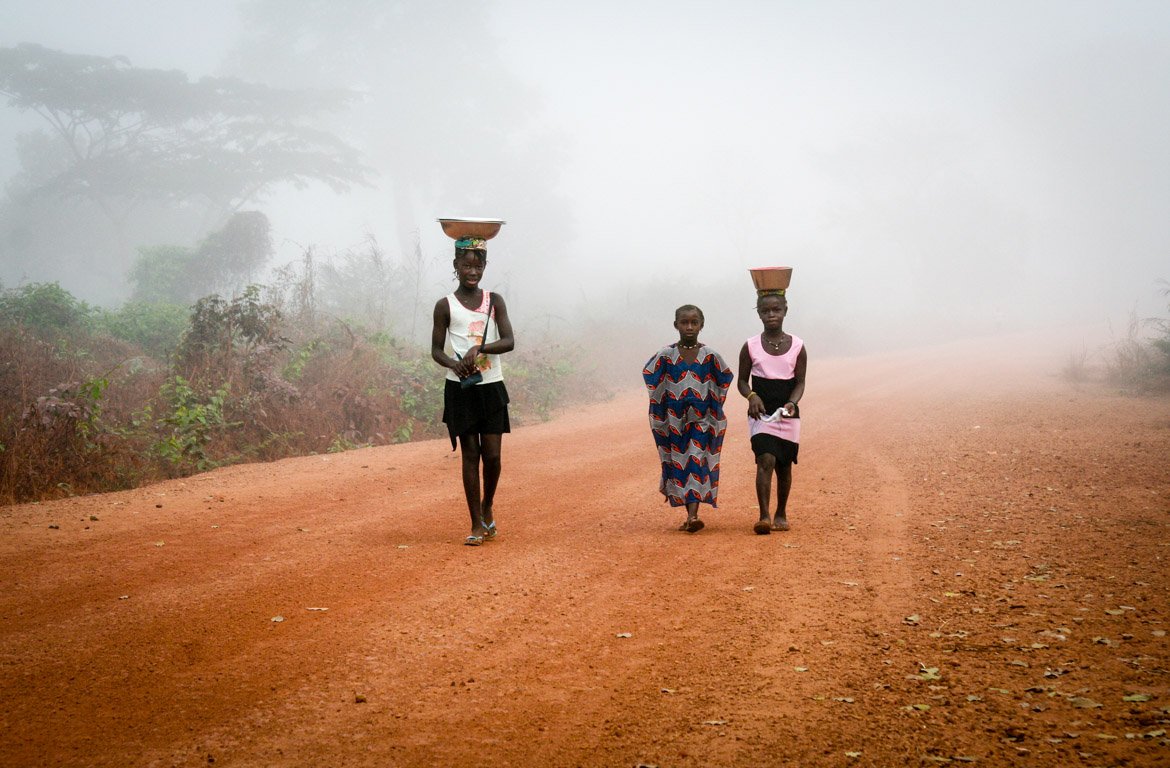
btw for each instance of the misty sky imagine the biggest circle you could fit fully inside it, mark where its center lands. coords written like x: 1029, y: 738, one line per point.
x: 922, y: 165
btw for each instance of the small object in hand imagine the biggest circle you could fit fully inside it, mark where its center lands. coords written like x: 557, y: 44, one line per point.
x: 471, y: 380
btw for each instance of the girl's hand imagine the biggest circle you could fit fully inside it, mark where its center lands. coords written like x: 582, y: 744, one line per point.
x: 466, y: 365
x: 755, y: 406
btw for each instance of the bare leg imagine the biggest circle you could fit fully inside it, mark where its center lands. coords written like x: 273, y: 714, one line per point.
x: 765, y: 466
x: 470, y: 446
x: 490, y: 450
x: 784, y: 485
x: 693, y: 523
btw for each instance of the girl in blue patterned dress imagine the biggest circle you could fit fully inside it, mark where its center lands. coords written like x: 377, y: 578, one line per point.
x: 688, y: 382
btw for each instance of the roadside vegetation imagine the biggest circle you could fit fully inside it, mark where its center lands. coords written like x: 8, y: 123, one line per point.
x: 96, y: 400
x: 1137, y: 361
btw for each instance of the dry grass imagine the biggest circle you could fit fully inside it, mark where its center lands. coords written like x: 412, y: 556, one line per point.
x: 98, y: 414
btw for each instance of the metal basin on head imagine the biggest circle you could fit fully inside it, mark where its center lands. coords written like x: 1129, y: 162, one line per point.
x: 462, y: 228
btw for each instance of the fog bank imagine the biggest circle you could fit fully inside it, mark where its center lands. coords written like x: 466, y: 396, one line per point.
x: 929, y: 170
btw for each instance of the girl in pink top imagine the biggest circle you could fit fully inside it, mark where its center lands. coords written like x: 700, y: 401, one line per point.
x: 775, y: 362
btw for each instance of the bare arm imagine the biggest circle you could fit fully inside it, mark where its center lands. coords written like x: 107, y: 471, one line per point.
x: 798, y: 388
x: 442, y: 318
x: 755, y: 402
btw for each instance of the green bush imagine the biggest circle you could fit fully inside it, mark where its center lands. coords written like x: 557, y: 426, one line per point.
x: 154, y: 327
x: 44, y: 308
x: 189, y: 426
x: 161, y: 274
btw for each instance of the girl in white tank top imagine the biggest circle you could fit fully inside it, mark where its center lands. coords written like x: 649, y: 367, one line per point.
x: 475, y: 400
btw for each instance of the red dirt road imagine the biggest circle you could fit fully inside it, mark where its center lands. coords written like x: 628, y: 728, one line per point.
x: 976, y: 574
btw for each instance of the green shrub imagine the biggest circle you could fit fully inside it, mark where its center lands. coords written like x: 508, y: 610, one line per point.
x: 44, y: 308
x: 154, y: 327
x: 189, y: 426
x: 161, y: 274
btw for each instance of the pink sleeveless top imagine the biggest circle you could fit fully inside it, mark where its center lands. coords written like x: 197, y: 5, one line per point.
x: 768, y: 366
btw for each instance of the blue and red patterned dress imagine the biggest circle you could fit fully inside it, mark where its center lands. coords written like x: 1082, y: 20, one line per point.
x: 686, y: 417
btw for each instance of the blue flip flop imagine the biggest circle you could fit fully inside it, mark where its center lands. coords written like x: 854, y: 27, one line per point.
x: 473, y: 540
x: 491, y: 530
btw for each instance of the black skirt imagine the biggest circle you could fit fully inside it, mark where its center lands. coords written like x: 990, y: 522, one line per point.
x: 478, y: 410
x: 785, y: 451
x: 774, y: 393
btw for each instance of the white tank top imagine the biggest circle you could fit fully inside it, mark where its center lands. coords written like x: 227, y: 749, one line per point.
x: 466, y: 330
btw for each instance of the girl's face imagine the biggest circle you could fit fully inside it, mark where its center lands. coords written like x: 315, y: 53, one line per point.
x: 469, y: 268
x: 688, y: 324
x: 772, y: 310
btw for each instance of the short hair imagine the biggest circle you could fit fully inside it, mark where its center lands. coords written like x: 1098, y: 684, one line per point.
x: 688, y: 308
x: 764, y: 295
x: 480, y: 252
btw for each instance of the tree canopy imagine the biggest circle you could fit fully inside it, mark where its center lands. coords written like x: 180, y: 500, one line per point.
x: 122, y: 134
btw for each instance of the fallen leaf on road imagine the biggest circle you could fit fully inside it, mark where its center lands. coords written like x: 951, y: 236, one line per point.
x: 927, y: 673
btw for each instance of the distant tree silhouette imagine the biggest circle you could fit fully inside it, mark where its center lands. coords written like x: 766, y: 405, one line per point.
x: 127, y: 140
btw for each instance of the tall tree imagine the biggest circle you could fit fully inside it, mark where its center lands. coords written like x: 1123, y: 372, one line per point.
x: 123, y: 138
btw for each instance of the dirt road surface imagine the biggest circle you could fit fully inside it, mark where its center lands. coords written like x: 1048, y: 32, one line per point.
x: 976, y: 574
